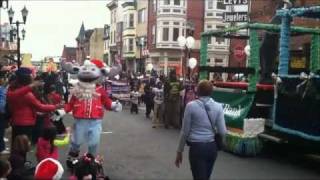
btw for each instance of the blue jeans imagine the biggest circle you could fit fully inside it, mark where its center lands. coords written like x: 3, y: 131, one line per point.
x: 86, y: 130
x: 202, y: 157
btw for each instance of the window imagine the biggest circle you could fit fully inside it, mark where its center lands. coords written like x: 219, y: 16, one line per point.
x: 175, y: 34
x: 216, y: 60
x: 208, y: 60
x: 166, y: 2
x: 209, y: 40
x: 209, y: 27
x: 177, y: 2
x: 141, y: 16
x: 131, y: 20
x: 114, y: 16
x: 220, y: 5
x: 130, y: 45
x: 165, y: 23
x: 210, y: 4
x: 114, y: 36
x: 153, y: 34
x: 209, y: 14
x: 111, y: 37
x: 176, y: 23
x: 220, y: 40
x: 165, y: 34
x: 125, y: 23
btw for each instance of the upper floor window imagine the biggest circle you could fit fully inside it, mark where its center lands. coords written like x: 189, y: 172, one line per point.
x: 153, y: 34
x: 154, y: 5
x: 166, y: 2
x: 177, y: 2
x: 175, y: 34
x: 141, y: 15
x: 220, y: 5
x: 165, y: 34
x: 131, y: 44
x: 131, y: 20
x: 220, y: 40
x: 210, y: 4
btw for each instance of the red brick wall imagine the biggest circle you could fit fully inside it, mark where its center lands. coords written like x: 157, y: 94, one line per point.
x: 152, y: 19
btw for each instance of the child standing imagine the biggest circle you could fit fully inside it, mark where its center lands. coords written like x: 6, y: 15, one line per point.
x: 47, y: 146
x: 134, y: 97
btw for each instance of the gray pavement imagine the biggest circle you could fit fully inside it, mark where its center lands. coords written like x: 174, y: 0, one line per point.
x: 133, y: 150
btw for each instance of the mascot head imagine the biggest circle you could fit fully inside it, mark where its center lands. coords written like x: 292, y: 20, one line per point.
x: 89, y: 72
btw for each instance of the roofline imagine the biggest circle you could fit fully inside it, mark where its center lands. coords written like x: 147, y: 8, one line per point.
x: 113, y: 4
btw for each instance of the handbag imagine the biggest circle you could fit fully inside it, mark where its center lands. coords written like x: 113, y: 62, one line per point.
x: 217, y: 137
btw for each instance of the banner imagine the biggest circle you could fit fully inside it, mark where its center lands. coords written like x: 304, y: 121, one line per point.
x: 236, y: 106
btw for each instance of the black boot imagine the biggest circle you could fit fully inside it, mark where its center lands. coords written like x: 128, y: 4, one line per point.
x: 72, y: 156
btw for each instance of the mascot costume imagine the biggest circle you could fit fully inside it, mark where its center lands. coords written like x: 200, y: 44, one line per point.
x: 87, y: 100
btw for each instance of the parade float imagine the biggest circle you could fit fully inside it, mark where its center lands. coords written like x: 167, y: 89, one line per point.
x: 283, y: 109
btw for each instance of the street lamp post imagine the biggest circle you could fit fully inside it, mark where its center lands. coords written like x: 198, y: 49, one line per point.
x: 186, y: 44
x: 24, y: 13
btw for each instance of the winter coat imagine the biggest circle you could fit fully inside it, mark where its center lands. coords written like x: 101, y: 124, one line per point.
x: 89, y: 108
x: 23, y: 106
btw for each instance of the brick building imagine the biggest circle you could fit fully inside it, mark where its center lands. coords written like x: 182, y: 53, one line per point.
x: 69, y: 53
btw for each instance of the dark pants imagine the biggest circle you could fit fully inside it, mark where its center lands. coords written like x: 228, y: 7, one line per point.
x: 149, y: 108
x: 38, y: 128
x: 134, y: 108
x: 21, y: 130
x: 2, y: 130
x: 202, y: 157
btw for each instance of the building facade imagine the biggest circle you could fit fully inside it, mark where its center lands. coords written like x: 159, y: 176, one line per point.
x: 106, y: 40
x: 115, y: 32
x: 218, y: 48
x: 96, y: 44
x: 167, y: 20
x: 141, y: 35
x: 69, y: 54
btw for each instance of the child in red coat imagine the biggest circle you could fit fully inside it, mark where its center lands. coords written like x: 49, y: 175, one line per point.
x: 47, y: 145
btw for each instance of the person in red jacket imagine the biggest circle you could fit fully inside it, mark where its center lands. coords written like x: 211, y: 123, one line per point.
x: 87, y: 106
x: 23, y: 105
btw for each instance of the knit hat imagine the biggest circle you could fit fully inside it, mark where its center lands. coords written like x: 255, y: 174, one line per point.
x: 49, y: 169
x: 23, y: 71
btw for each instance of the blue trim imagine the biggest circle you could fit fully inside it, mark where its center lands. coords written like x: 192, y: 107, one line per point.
x: 284, y: 55
x: 296, y: 133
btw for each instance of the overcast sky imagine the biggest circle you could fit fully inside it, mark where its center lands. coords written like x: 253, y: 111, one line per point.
x: 52, y: 24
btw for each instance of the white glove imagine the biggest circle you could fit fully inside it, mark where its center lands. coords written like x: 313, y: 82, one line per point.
x: 116, y: 106
x: 58, y: 114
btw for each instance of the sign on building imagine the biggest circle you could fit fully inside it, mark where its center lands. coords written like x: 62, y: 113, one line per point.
x: 235, y: 2
x: 235, y: 16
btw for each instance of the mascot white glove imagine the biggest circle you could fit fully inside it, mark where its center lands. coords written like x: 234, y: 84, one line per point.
x: 58, y: 114
x: 116, y: 106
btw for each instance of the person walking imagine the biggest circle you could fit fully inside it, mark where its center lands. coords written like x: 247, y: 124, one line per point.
x: 201, y: 118
x: 148, y: 99
x: 172, y: 90
x: 157, y: 119
x: 134, y: 98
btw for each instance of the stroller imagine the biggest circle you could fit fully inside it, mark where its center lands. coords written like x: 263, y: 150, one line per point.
x: 87, y: 166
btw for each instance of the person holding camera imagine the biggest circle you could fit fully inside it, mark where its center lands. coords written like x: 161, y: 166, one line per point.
x: 203, y: 122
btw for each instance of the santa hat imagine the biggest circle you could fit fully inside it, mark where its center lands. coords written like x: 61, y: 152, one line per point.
x: 48, y: 169
x: 101, y: 65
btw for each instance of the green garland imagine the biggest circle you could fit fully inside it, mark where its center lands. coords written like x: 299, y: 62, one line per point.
x: 238, y: 144
x: 315, y: 53
x: 254, y: 60
x: 204, y: 56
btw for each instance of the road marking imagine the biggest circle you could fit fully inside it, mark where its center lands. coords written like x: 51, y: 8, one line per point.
x: 106, y: 132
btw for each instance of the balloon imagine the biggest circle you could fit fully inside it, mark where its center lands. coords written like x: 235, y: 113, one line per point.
x: 182, y: 41
x: 117, y: 77
x: 190, y: 42
x: 192, y: 63
x: 149, y: 67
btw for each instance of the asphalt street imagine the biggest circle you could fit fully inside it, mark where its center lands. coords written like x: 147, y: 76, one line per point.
x: 132, y: 149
